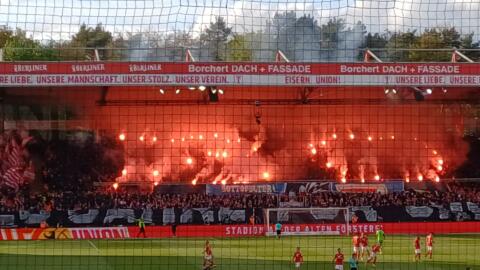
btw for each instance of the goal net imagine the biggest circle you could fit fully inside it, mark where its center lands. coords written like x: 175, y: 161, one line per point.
x: 307, y: 221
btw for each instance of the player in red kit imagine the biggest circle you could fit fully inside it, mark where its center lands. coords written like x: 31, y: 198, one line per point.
x: 418, y: 249
x: 373, y: 255
x: 298, y: 258
x: 208, y: 257
x: 365, y: 252
x: 429, y: 242
x: 356, y: 244
x: 338, y: 260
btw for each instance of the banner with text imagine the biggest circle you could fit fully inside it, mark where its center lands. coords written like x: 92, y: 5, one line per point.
x: 40, y: 74
x: 64, y: 233
x: 253, y: 188
x: 227, y: 231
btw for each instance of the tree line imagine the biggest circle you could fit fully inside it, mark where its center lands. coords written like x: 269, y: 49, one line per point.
x: 300, y: 38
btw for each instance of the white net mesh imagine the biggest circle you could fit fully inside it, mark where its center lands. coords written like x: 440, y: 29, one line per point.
x: 241, y: 30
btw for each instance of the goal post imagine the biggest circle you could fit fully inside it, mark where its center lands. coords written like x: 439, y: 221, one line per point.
x: 308, y: 221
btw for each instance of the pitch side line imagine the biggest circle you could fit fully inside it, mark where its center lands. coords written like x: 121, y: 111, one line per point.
x: 93, y: 245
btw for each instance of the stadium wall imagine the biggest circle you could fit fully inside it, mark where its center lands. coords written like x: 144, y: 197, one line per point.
x: 235, y: 230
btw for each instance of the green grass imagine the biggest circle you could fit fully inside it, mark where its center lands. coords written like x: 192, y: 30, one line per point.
x: 451, y: 252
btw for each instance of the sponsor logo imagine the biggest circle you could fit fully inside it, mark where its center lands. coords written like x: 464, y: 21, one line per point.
x: 29, y: 68
x: 53, y: 233
x: 145, y: 67
x: 100, y: 233
x: 248, y: 188
x: 88, y: 67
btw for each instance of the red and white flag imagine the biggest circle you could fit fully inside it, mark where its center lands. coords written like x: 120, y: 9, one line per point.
x: 14, y: 154
x: 13, y: 178
x: 29, y: 173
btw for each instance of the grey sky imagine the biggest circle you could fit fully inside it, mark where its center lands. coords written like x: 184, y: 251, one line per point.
x: 59, y: 19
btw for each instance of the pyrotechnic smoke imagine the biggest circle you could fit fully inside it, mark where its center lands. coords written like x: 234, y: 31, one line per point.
x: 296, y: 142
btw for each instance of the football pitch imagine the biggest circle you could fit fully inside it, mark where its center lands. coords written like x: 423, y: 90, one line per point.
x: 450, y: 252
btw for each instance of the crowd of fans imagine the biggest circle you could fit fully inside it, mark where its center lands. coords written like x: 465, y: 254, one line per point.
x: 13, y: 202
x: 405, y: 198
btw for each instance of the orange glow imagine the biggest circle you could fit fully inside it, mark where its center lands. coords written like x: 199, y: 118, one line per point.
x: 200, y: 137
x: 124, y: 172
x: 440, y: 161
x: 224, y: 182
x: 228, y: 140
x: 238, y: 140
x: 217, y: 154
x: 154, y: 139
x: 155, y: 173
x: 142, y: 138
x: 122, y: 137
x: 155, y: 183
x: 362, y: 180
x: 370, y: 138
x: 254, y: 149
x: 183, y: 139
x: 191, y: 137
x: 329, y: 164
x: 344, y: 180
x: 377, y: 177
x: 314, y: 151
x: 323, y: 143
x: 392, y: 137
x: 266, y: 175
x: 439, y: 167
x: 420, y: 178
x: 172, y: 140
x: 215, y: 135
x: 225, y: 154
x: 437, y: 179
x: 334, y: 136
x: 189, y: 161
x: 434, y: 152
x: 352, y: 136
x: 194, y: 182
x: 407, y: 179
x: 209, y: 153
x: 115, y: 186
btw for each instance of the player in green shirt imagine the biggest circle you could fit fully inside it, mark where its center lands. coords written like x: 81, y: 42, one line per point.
x: 141, y: 226
x: 380, y: 238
